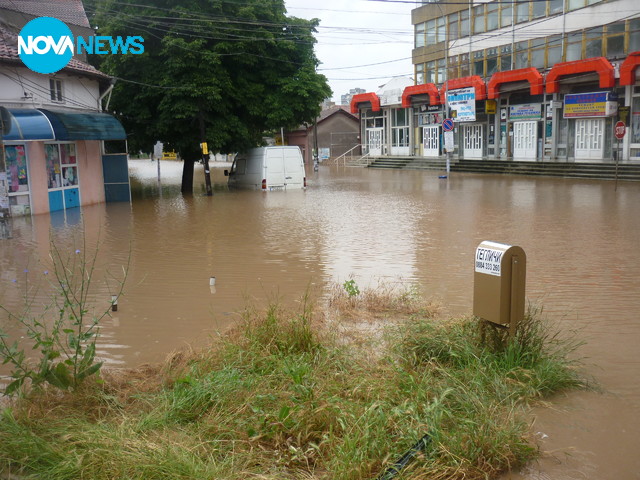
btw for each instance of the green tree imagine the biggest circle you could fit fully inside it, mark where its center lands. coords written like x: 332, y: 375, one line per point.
x: 226, y: 71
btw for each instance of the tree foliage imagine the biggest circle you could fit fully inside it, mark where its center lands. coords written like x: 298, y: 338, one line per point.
x: 237, y: 68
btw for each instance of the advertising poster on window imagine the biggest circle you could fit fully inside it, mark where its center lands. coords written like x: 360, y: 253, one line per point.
x: 462, y: 102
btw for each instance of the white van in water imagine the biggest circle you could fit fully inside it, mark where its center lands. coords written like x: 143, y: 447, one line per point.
x: 268, y: 168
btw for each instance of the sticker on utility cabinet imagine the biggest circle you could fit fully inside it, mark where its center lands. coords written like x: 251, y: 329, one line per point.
x: 488, y: 259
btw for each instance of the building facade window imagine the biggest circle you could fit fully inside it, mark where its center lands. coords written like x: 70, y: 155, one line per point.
x: 479, y: 19
x: 465, y: 30
x: 55, y: 90
x: 506, y: 15
x: 615, y: 40
x: 420, y: 74
x: 420, y: 37
x: 522, y: 11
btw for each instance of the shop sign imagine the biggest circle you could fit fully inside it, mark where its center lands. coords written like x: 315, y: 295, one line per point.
x: 491, y: 107
x: 462, y: 102
x: 529, y: 111
x: 597, y: 104
x: 429, y: 119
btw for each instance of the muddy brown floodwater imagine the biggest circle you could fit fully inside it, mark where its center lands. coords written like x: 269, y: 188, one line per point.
x: 582, y: 240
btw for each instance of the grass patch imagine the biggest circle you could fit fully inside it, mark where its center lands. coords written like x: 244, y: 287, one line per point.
x: 283, y: 396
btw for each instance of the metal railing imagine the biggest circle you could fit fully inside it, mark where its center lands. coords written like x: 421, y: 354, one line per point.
x: 348, y: 158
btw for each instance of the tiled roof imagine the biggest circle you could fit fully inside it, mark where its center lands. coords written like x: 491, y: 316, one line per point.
x: 9, y: 52
x: 69, y: 11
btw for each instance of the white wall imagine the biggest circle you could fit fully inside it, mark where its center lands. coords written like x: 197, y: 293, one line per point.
x: 78, y: 92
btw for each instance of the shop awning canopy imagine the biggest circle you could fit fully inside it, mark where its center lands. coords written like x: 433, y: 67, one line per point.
x: 84, y: 125
x: 26, y: 124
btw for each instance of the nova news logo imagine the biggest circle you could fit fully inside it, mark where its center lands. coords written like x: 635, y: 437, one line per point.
x: 46, y: 45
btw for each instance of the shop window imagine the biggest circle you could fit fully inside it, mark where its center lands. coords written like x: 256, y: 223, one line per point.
x: 420, y: 35
x: 635, y: 121
x: 17, y: 179
x: 493, y: 18
x: 574, y: 47
x: 506, y: 15
x: 479, y: 19
x: 55, y: 90
x: 593, y: 43
x: 522, y: 11
x: 464, y: 23
x: 62, y: 165
x: 634, y: 35
x: 522, y: 55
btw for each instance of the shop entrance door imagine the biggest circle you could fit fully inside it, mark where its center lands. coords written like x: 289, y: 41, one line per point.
x: 589, y: 138
x: 431, y: 141
x: 472, y: 141
x: 525, y: 140
x: 374, y: 141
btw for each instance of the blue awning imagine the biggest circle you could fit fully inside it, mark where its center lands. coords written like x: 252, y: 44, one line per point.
x: 27, y: 124
x: 84, y: 125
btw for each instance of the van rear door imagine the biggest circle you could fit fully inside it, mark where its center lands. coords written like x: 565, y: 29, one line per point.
x: 293, y: 168
x: 274, y: 166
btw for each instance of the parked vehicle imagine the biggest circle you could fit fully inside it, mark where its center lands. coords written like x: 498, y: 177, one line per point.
x: 268, y: 168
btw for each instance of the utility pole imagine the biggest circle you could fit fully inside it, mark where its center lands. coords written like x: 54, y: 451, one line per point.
x: 205, y: 154
x: 5, y: 209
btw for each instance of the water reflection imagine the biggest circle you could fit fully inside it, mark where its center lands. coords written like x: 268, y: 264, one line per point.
x: 581, y: 240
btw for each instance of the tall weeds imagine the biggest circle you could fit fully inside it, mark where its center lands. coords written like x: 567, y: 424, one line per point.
x: 283, y: 397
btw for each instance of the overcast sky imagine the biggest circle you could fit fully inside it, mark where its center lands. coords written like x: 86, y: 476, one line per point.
x: 361, y: 43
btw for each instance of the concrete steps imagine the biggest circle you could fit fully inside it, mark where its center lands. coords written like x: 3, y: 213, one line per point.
x: 597, y: 171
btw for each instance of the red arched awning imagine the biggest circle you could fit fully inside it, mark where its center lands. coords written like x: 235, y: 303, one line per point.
x: 423, y: 89
x: 628, y: 69
x: 599, y: 65
x: 530, y: 74
x: 365, y: 97
x: 472, y: 81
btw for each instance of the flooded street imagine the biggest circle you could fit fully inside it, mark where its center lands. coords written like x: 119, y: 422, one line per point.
x: 582, y: 240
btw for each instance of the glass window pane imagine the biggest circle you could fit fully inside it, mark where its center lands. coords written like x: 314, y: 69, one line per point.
x: 493, y: 19
x: 506, y: 15
x: 431, y: 32
x: 574, y: 52
x: 492, y: 66
x: 616, y: 28
x: 505, y: 62
x: 555, y: 6
x: 539, y: 8
x: 522, y: 12
x: 453, y: 27
x: 634, y: 35
x: 593, y: 47
x: 441, y: 29
x: 464, y: 23
x: 420, y: 74
x: 478, y: 68
x: 69, y: 176
x: 573, y: 4
x: 554, y: 55
x: 420, y: 40
x: 478, y: 19
x: 16, y: 165
x: 464, y: 65
x: 537, y: 58
x: 430, y: 72
x: 615, y: 46
x: 52, y: 156
x: 635, y: 121
x: 522, y: 59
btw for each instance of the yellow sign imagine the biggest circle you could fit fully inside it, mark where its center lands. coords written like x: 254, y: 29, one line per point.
x: 205, y: 148
x: 491, y: 107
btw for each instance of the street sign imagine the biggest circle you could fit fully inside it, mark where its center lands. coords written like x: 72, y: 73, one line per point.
x: 620, y: 129
x: 447, y: 125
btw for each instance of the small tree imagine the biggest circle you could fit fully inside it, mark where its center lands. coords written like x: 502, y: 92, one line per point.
x: 64, y: 332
